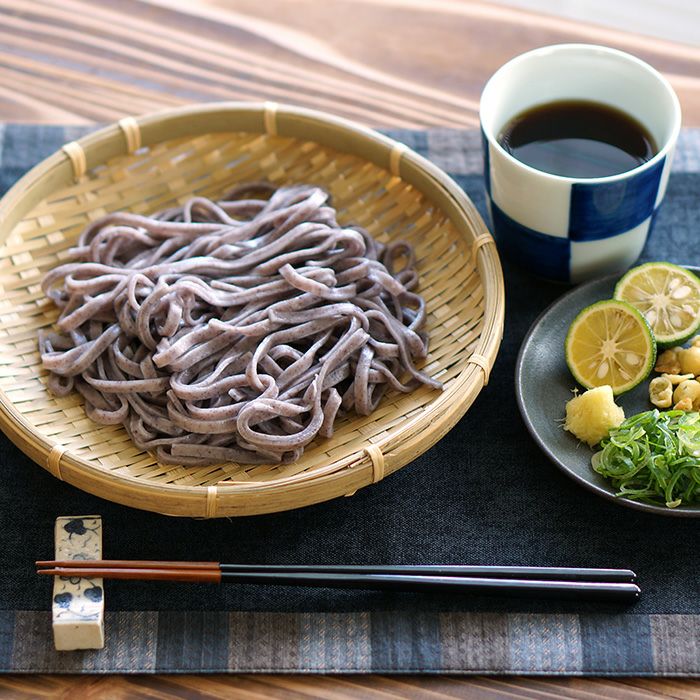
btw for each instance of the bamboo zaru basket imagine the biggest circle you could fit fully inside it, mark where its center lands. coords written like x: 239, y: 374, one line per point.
x: 145, y: 164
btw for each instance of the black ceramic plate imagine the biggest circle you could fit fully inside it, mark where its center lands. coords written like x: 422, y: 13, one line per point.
x: 543, y: 385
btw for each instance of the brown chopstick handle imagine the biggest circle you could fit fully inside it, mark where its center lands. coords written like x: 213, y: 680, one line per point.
x: 129, y: 564
x: 188, y: 575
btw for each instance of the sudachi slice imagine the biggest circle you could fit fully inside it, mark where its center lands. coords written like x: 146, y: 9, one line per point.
x: 610, y: 342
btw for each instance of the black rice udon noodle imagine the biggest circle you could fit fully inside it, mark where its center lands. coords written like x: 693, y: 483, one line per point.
x: 235, y: 330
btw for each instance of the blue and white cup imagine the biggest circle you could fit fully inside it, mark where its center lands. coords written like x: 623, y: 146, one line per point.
x: 565, y: 228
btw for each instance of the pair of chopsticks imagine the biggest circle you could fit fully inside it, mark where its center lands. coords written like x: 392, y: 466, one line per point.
x: 615, y: 585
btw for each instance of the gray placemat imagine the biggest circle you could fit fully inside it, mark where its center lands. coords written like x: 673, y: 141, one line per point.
x: 484, y: 494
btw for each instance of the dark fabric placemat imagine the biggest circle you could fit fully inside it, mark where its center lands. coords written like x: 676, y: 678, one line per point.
x: 484, y: 494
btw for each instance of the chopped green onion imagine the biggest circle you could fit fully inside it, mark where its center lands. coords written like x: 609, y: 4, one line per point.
x: 654, y: 457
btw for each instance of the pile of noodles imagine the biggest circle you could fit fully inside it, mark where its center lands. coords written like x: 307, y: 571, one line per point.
x: 235, y: 330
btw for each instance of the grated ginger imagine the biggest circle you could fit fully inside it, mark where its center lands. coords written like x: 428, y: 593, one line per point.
x: 591, y: 415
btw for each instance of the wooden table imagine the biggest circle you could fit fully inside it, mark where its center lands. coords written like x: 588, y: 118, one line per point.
x: 400, y: 63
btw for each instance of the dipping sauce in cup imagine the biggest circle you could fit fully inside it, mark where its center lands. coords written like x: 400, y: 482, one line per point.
x: 578, y: 142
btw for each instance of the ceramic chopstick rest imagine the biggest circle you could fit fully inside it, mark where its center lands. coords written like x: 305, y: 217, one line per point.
x: 78, y: 603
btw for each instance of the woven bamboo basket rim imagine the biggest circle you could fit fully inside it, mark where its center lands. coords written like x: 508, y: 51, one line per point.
x: 342, y: 476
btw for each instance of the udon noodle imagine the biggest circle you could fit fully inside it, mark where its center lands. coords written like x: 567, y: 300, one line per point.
x: 235, y: 330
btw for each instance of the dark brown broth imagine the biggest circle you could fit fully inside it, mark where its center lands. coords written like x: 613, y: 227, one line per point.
x: 577, y: 138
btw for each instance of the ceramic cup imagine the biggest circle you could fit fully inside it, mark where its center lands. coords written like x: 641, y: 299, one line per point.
x: 565, y: 228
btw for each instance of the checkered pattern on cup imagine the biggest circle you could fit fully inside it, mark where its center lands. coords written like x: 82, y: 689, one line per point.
x: 564, y: 228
